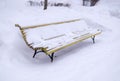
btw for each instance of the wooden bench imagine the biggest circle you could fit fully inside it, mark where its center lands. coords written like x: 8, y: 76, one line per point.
x: 51, y: 37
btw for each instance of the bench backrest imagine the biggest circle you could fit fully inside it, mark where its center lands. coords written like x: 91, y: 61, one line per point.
x: 41, y: 33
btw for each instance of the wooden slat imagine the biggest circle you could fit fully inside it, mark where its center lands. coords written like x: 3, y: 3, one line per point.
x: 55, y: 23
x: 54, y: 37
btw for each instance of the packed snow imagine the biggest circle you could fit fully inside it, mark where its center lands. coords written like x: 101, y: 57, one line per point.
x: 84, y: 61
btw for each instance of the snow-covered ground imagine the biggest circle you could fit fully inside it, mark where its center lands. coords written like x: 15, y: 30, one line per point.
x: 84, y: 61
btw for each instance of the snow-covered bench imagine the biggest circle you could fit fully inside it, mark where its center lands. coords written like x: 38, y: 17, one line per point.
x: 51, y: 37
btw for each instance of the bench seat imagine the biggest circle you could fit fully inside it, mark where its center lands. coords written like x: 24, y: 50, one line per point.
x: 62, y: 39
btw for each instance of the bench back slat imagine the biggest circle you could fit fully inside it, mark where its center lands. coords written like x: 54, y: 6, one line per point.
x: 55, y: 23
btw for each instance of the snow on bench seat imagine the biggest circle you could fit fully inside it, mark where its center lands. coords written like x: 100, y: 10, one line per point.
x: 54, y: 36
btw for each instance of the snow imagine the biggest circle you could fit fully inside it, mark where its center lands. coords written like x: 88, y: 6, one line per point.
x: 53, y: 35
x: 82, y: 62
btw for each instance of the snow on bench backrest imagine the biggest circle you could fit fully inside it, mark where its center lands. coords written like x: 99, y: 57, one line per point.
x: 40, y: 34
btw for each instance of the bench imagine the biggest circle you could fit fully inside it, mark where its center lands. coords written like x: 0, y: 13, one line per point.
x: 52, y: 37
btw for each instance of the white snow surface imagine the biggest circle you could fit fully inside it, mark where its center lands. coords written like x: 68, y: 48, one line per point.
x: 53, y: 36
x: 84, y: 61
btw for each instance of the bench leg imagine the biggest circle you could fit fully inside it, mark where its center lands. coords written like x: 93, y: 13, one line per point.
x: 51, y: 57
x: 36, y: 53
x: 93, y: 38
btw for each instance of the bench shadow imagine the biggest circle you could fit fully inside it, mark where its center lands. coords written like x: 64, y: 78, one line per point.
x: 43, y: 59
x: 73, y: 49
x: 26, y: 53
